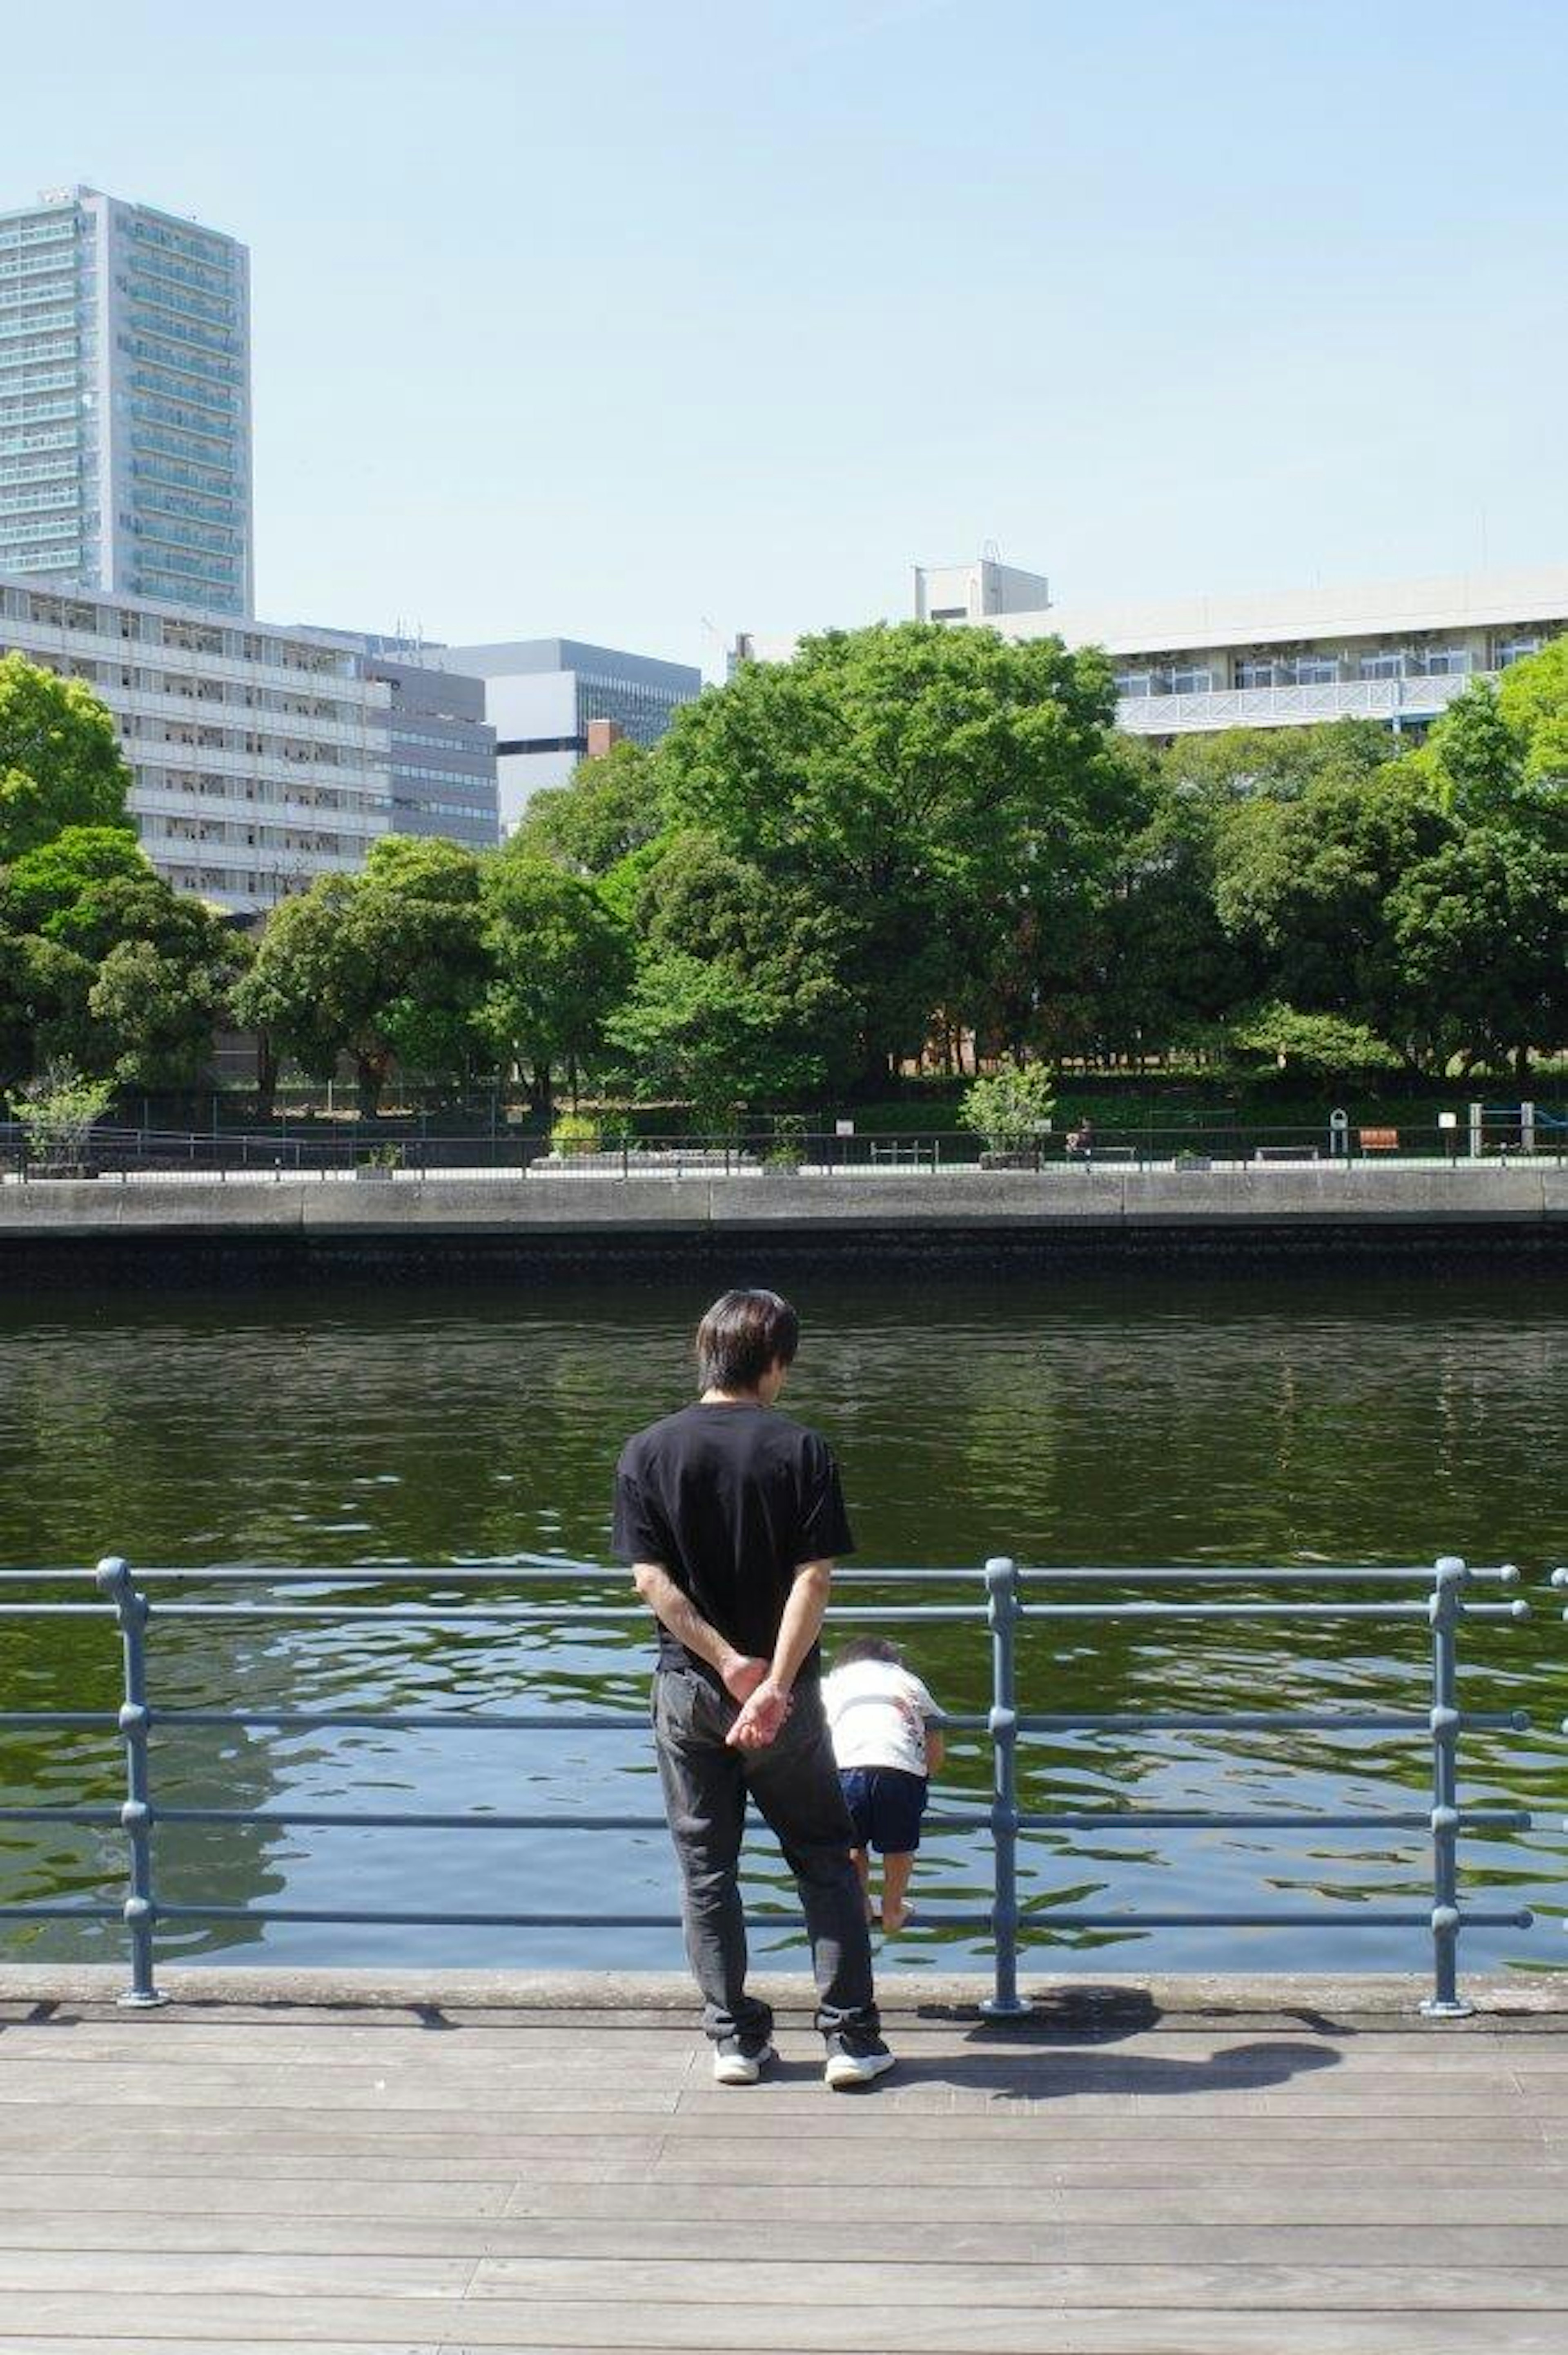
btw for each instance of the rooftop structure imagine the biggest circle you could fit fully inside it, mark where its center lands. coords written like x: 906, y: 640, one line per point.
x: 541, y: 694
x: 125, y: 402
x: 1392, y: 651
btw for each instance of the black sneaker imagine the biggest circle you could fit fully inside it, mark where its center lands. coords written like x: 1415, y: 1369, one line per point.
x: 855, y: 2057
x: 741, y: 2059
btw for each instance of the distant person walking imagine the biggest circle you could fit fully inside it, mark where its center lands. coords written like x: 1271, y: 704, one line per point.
x: 731, y: 1515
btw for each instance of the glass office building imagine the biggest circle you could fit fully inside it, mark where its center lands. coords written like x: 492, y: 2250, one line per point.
x: 125, y: 403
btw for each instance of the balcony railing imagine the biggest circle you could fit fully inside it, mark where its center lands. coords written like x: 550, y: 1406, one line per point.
x: 1278, y: 707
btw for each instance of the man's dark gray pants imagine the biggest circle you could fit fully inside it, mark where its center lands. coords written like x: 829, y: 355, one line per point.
x: 795, y: 1783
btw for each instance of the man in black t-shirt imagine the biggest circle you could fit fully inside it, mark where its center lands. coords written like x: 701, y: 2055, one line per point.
x: 731, y: 1515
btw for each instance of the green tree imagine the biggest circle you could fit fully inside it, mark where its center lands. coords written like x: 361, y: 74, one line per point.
x: 1533, y: 697
x: 609, y: 807
x: 1163, y: 970
x: 1237, y: 763
x: 53, y: 888
x: 120, y: 973
x: 738, y: 997
x: 154, y: 1005
x: 60, y: 762
x: 386, y: 966
x: 948, y: 801
x: 420, y: 910
x: 560, y: 960
x: 1321, y: 1046
x: 1481, y: 930
x: 1304, y: 886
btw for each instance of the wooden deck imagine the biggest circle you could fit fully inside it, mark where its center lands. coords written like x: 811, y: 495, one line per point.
x: 1144, y: 2174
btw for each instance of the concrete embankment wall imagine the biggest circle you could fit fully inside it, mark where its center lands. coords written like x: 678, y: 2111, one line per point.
x: 65, y: 1230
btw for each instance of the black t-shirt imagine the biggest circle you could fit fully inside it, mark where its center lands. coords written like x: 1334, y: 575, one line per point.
x: 730, y: 1501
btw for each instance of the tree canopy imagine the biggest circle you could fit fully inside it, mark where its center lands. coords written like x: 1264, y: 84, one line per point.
x: 60, y: 762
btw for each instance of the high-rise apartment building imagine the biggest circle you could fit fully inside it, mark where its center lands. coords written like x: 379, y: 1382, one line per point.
x: 125, y: 402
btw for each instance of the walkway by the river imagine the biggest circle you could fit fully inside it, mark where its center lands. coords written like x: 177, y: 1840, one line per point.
x: 1297, y: 2168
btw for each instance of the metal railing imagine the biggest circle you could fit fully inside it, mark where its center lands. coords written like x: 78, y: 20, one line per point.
x: 1013, y: 1598
x: 398, y: 1151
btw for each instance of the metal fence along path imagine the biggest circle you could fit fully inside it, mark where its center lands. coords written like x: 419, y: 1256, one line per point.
x: 999, y: 1600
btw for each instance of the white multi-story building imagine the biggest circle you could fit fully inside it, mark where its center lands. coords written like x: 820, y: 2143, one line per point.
x: 260, y: 757
x: 1396, y: 652
x: 125, y: 402
x: 541, y: 695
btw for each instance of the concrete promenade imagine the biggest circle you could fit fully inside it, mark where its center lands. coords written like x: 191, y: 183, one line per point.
x: 336, y: 2162
x: 1063, y: 1208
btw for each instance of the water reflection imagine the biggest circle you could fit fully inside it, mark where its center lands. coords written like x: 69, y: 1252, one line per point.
x: 1127, y: 1419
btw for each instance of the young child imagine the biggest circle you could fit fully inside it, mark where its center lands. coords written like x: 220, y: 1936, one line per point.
x: 883, y: 1725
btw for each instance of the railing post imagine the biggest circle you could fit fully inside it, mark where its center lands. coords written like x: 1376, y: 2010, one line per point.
x: 1446, y: 2002
x: 1002, y: 1613
x: 136, y: 1815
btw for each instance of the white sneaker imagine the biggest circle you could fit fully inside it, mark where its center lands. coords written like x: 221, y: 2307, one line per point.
x: 855, y: 2059
x: 741, y: 2059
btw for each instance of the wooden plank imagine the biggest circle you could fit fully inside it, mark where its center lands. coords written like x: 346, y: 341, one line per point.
x: 763, y: 2114
x: 37, y: 2210
x: 98, y: 2088
x: 98, y: 2323
x: 939, y: 2243
x: 1280, y: 2197
x: 863, y: 2283
x: 34, y: 2273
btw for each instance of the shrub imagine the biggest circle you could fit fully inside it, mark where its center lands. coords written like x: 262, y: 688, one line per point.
x: 1009, y: 1108
x: 575, y: 1133
x: 59, y: 1110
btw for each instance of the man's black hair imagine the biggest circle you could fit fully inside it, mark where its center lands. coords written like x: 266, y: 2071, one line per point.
x: 741, y: 1336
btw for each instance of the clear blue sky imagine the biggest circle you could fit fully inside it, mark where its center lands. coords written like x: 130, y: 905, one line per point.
x: 605, y: 316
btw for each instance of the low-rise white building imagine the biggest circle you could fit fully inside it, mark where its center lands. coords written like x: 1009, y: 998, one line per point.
x: 260, y: 757
x: 1396, y: 652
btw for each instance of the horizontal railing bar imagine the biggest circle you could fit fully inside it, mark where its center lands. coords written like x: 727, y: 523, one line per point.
x: 56, y: 1611
x: 430, y: 1614
x: 1264, y: 1721
x: 635, y: 1720
x: 423, y: 1614
x: 66, y: 1720
x: 937, y: 1819
x: 526, y: 1615
x: 585, y: 1573
x: 1029, y: 1924
x: 422, y: 1921
x: 1324, y: 1574
x: 388, y: 1819
x: 1414, y: 1611
x: 1262, y: 1819
x: 44, y: 1814
x: 1362, y: 1918
x: 412, y: 1721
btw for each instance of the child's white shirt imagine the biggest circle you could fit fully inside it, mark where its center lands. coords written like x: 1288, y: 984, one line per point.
x: 877, y: 1715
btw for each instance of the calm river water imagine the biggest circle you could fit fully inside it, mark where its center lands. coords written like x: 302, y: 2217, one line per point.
x: 1118, y: 1419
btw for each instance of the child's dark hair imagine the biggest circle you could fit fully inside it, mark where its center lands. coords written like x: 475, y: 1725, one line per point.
x: 868, y: 1647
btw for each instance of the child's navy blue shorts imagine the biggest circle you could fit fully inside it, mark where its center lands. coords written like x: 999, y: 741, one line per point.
x: 886, y: 1804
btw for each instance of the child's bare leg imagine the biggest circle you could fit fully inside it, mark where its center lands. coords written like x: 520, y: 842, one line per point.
x: 863, y: 1867
x: 896, y: 1871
